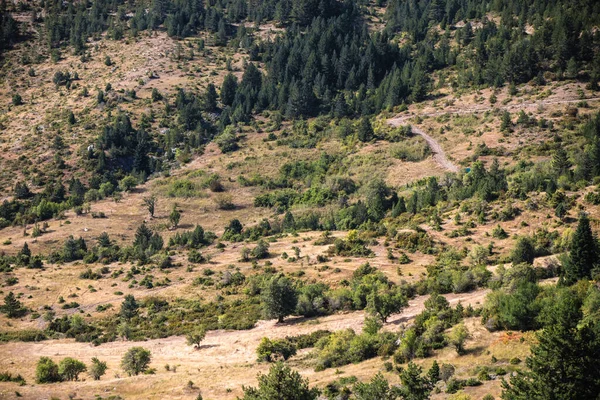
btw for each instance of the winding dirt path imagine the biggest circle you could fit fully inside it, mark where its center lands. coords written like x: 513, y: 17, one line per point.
x: 438, y: 153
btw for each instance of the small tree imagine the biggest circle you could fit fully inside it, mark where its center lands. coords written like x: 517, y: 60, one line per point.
x: 128, y: 183
x: 279, y: 297
x: 209, y: 101
x: 385, y: 303
x: 195, y: 337
x: 228, y: 89
x: 523, y: 251
x: 150, y: 203
x: 13, y: 307
x: 414, y: 386
x: 97, y: 369
x: 281, y: 383
x: 175, y: 216
x: 434, y: 373
x: 365, y: 130
x: 261, y: 250
x: 70, y: 368
x: 458, y: 336
x: 136, y: 360
x: 17, y: 100
x: 129, y: 307
x: 506, y: 123
x: 156, y: 96
x: 46, y: 371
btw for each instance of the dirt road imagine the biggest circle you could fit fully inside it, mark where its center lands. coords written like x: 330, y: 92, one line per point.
x: 438, y: 153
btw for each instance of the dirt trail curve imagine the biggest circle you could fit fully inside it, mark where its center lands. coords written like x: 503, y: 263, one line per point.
x: 438, y: 153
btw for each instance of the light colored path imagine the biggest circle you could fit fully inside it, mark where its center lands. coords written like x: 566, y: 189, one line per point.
x: 438, y: 153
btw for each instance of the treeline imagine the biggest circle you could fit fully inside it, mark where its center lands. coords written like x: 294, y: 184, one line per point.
x: 9, y: 30
x: 531, y: 38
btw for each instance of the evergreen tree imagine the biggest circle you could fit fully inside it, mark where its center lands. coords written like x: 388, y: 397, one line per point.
x: 228, y: 89
x: 583, y: 253
x: 563, y: 364
x: 129, y: 307
x: 560, y: 162
x: 523, y: 252
x: 209, y: 102
x: 365, y: 130
x: 414, y: 386
x: 12, y: 307
x: 434, y: 372
x: 399, y: 207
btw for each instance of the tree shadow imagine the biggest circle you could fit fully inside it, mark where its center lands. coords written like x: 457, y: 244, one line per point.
x: 291, y: 321
x: 206, y: 346
x: 475, y: 351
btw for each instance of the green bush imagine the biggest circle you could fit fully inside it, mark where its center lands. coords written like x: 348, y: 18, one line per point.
x: 46, y: 371
x: 269, y: 350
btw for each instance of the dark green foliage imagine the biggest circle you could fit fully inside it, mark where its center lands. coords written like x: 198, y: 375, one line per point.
x: 562, y: 364
x: 279, y: 297
x: 261, y: 250
x: 512, y: 308
x: 8, y: 377
x: 524, y: 252
x: 129, y: 307
x: 233, y: 231
x: 17, y: 100
x: 228, y: 89
x: 414, y: 385
x: 281, y: 383
x: 192, y: 239
x: 377, y: 389
x: 365, y: 130
x: 13, y: 307
x: 583, y: 253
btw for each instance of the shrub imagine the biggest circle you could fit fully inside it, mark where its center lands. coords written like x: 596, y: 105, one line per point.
x: 224, y: 201
x: 268, y: 349
x: 136, y: 360
x: 70, y: 368
x: 17, y: 100
x: 97, y: 369
x: 46, y: 371
x: 195, y: 337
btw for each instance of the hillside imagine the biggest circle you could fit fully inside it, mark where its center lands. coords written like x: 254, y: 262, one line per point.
x: 392, y: 199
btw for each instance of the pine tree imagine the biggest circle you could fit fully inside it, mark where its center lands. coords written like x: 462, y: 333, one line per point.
x: 399, y: 207
x: 583, y: 253
x: 209, y: 102
x: 228, y: 89
x: 563, y: 364
x: 414, y: 386
x: 365, y: 130
x: 12, y: 307
x: 129, y: 307
x: 434, y: 372
x: 560, y: 162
